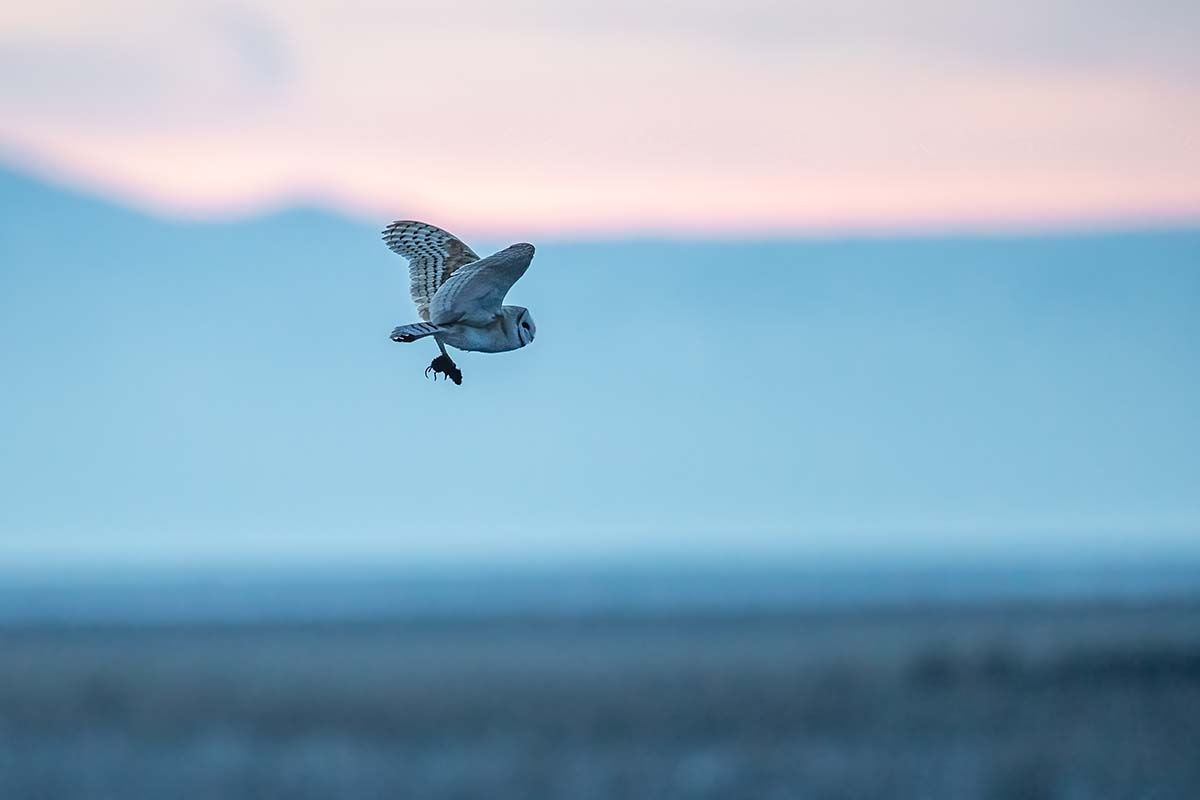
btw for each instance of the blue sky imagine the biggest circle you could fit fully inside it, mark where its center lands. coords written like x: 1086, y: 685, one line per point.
x: 226, y: 392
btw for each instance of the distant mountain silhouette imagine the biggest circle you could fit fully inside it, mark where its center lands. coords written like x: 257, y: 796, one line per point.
x: 175, y: 388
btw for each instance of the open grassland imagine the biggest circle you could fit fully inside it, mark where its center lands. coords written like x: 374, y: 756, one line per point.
x: 1020, y: 702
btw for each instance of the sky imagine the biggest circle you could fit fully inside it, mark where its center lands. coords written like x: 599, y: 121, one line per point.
x: 568, y: 117
x: 814, y: 281
x: 226, y: 393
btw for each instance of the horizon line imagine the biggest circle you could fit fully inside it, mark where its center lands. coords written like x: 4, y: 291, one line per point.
x: 282, y: 203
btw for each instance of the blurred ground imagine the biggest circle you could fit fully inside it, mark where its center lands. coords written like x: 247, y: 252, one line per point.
x: 1019, y: 701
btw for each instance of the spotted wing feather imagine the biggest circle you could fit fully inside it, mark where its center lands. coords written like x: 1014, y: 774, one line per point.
x: 433, y: 256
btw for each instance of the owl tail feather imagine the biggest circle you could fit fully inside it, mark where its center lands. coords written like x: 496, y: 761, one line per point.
x: 410, y: 333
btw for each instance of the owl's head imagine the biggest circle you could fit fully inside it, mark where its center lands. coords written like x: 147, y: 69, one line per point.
x: 523, y: 322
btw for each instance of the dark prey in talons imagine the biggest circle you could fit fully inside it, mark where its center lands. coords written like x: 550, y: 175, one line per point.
x: 442, y: 365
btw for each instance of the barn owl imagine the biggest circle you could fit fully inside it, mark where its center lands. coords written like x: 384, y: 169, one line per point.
x: 458, y: 295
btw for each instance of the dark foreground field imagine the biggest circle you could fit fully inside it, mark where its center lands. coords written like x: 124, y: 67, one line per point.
x: 1026, y: 702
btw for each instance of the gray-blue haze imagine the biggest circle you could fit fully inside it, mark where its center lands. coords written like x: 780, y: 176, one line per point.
x: 172, y: 597
x: 227, y: 392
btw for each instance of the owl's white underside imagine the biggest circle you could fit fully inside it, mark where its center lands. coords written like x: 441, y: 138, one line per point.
x: 499, y: 336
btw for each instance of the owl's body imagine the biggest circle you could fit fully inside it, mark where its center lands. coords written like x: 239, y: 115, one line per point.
x: 502, y: 333
x: 459, y: 295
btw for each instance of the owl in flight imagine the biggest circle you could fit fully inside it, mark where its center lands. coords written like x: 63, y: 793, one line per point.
x: 459, y: 295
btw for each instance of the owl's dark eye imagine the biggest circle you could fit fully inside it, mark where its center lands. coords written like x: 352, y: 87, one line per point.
x: 525, y: 325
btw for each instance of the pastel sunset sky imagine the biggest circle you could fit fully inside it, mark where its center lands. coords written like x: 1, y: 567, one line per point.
x: 574, y: 117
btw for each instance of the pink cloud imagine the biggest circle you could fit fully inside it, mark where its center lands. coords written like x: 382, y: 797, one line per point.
x: 552, y: 117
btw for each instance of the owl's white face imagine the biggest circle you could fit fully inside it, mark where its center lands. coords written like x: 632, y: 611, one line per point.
x: 526, y: 329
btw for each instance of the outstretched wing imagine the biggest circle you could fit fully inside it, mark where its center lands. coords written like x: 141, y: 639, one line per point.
x: 433, y: 256
x: 474, y: 292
